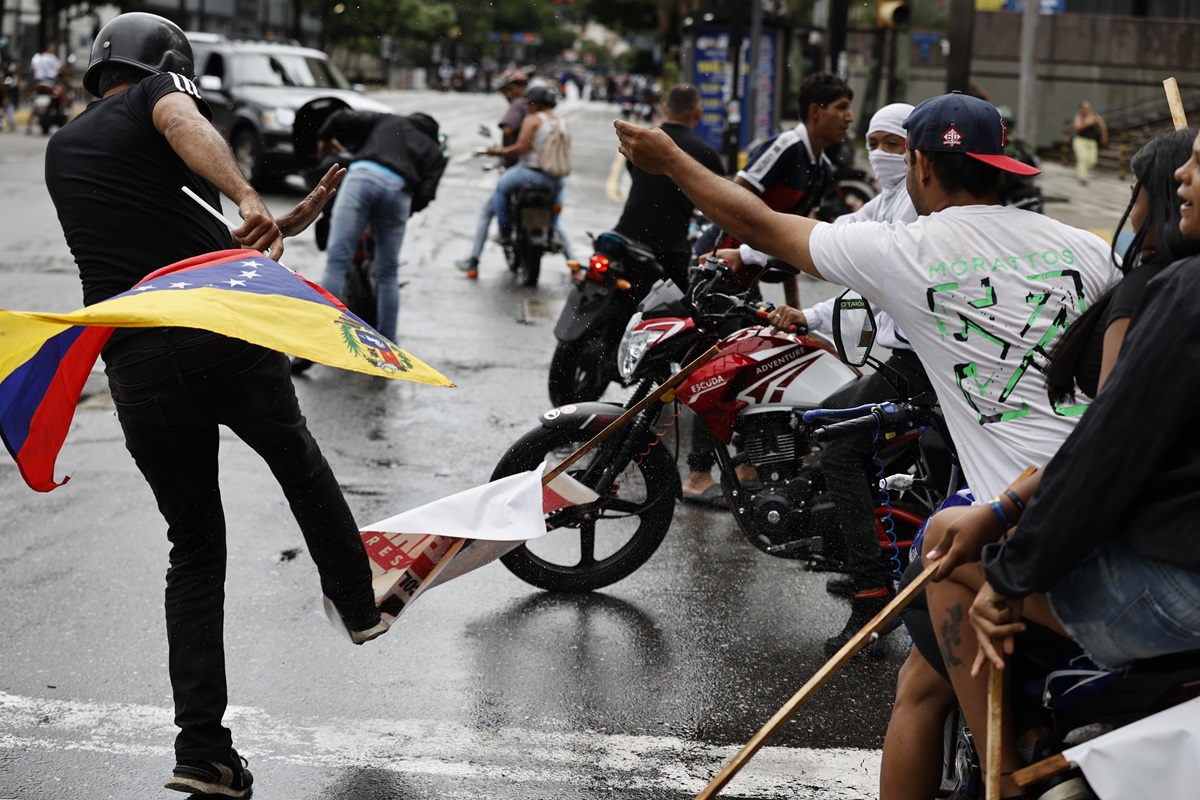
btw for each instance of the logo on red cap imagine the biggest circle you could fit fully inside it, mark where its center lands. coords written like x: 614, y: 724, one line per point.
x: 952, y: 138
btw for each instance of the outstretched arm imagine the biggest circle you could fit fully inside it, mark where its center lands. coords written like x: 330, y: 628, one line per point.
x: 734, y: 209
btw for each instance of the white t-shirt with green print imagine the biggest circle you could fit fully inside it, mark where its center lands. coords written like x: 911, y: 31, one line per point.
x: 981, y: 292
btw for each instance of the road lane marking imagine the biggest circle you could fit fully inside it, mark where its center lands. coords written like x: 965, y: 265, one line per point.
x: 510, y: 753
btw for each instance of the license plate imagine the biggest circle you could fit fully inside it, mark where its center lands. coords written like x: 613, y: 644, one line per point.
x: 535, y: 217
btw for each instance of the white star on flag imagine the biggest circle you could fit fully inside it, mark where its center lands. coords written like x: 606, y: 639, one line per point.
x: 252, y: 264
x: 250, y: 273
x: 143, y: 288
x: 179, y: 285
x: 235, y: 282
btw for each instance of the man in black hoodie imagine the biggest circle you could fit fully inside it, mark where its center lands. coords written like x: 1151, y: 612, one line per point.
x: 395, y: 171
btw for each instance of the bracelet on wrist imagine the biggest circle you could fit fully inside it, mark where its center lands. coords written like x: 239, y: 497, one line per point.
x: 997, y: 507
x: 1016, y: 500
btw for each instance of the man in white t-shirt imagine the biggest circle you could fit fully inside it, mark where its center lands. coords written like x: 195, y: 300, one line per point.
x: 46, y: 65
x: 979, y: 289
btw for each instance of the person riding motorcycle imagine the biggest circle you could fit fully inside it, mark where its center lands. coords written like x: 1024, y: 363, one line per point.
x: 511, y: 85
x: 535, y: 132
x: 1091, y: 569
x: 46, y: 70
x: 848, y: 462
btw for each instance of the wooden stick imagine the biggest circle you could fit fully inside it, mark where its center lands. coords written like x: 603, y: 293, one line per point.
x: 839, y: 659
x: 995, y: 730
x: 1178, y: 116
x: 662, y: 391
x: 858, y: 642
x: 1039, y: 771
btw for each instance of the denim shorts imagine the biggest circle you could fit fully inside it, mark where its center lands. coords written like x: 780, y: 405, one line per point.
x: 1121, y: 606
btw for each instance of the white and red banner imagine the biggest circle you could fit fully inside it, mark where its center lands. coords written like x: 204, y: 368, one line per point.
x: 429, y: 545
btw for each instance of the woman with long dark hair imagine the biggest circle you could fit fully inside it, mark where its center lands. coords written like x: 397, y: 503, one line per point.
x: 1084, y: 356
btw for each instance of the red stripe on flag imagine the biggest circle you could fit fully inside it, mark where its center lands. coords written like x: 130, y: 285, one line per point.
x: 50, y: 423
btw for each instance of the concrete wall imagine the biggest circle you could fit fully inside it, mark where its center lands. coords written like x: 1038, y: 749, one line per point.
x: 1109, y: 60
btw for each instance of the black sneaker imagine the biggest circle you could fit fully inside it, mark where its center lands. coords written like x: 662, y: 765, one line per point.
x: 863, y: 608
x: 227, y: 778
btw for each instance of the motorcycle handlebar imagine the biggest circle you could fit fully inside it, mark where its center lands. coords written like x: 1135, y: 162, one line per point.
x: 884, y: 417
x: 762, y: 314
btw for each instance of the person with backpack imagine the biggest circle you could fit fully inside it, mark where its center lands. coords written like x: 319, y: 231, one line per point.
x: 543, y: 148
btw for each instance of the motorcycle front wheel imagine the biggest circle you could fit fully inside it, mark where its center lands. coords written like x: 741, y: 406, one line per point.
x: 360, y: 291
x: 592, y: 546
x: 580, y: 371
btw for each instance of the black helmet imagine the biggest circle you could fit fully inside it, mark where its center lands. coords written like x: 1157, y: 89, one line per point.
x: 542, y: 95
x: 145, y: 41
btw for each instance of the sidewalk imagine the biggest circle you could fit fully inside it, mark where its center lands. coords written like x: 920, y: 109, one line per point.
x: 1096, y: 207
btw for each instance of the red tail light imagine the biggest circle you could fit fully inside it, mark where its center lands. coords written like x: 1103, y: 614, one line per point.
x: 598, y: 268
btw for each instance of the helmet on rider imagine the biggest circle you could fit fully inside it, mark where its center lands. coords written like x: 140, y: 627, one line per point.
x: 510, y: 77
x: 147, y: 42
x: 541, y: 96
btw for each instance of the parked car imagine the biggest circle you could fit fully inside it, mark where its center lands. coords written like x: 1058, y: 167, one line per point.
x: 256, y: 88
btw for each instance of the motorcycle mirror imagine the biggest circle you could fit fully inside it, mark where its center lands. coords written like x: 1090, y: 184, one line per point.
x: 853, y: 328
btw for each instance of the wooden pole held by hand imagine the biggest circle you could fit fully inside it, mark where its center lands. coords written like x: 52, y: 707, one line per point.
x: 822, y: 676
x: 1178, y: 116
x: 995, y: 732
x: 655, y: 396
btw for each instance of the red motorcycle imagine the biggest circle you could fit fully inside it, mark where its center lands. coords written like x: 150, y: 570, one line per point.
x: 752, y: 394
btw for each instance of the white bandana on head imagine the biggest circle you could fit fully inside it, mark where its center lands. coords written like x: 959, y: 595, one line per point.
x: 890, y: 119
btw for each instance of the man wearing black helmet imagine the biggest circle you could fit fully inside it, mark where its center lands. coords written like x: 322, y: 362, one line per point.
x: 114, y: 174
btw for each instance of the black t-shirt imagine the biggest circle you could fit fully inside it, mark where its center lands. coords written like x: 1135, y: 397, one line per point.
x: 657, y: 212
x: 117, y: 186
x: 1126, y: 299
x: 1130, y: 471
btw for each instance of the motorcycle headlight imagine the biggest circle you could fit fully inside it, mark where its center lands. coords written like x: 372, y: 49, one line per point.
x: 634, y: 345
x: 279, y: 118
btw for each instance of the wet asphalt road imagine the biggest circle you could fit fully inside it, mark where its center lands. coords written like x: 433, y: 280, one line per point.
x: 487, y: 687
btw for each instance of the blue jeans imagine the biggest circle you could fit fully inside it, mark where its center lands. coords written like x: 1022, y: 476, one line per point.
x: 1121, y: 606
x: 366, y: 197
x: 514, y: 179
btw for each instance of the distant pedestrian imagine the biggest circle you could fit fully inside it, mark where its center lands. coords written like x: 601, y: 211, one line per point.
x: 1090, y: 134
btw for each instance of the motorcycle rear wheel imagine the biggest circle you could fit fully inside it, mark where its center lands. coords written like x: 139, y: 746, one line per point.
x: 634, y: 512
x: 580, y: 370
x: 528, y: 260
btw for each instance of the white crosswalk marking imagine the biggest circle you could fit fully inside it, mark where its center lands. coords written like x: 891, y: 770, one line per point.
x: 433, y: 748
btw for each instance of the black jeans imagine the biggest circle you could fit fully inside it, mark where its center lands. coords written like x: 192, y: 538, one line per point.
x: 172, y: 387
x: 850, y: 470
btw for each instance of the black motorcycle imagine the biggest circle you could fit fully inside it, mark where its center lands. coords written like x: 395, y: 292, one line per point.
x: 591, y: 325
x: 532, y: 211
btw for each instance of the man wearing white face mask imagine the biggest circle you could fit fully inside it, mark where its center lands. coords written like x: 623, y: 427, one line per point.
x: 847, y: 463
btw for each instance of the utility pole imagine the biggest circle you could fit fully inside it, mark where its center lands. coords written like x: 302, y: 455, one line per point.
x: 752, y: 96
x: 961, y: 33
x: 1027, y: 110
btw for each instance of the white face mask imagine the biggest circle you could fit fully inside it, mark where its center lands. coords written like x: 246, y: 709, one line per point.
x: 889, y: 168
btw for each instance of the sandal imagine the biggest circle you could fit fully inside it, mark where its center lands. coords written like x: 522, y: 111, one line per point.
x: 712, y: 497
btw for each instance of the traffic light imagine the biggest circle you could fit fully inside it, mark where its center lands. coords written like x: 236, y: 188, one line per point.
x: 892, y: 13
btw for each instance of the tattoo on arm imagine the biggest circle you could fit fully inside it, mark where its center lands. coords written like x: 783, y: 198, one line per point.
x: 950, y: 635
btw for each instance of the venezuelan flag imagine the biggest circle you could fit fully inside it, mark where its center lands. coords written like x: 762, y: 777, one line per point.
x: 45, y: 359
